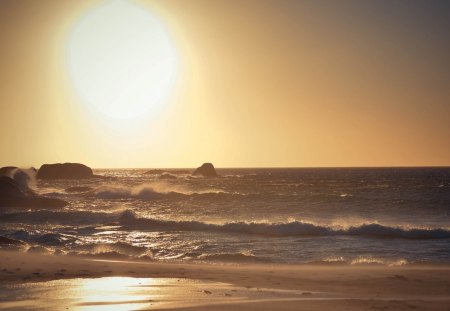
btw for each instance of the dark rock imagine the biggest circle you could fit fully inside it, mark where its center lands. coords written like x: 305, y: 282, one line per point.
x: 4, y: 241
x: 64, y: 171
x: 24, y: 178
x: 207, y: 170
x: 167, y: 176
x: 78, y: 189
x: 9, y: 188
x: 7, y: 170
x: 12, y: 196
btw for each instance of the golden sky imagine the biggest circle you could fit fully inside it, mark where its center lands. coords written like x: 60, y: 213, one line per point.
x: 258, y: 83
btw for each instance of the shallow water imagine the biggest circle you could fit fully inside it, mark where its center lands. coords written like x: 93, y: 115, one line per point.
x: 389, y: 216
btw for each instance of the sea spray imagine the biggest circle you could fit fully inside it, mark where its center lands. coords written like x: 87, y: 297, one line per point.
x: 25, y: 178
x: 292, y: 228
x: 252, y: 215
x: 151, y: 191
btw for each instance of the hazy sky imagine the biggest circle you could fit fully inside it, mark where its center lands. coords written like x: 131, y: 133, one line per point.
x: 258, y: 83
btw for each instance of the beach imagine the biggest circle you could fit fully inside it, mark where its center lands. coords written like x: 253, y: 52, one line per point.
x: 224, y: 155
x: 226, y: 286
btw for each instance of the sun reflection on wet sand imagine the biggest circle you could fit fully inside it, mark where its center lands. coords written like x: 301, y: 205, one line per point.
x: 112, y: 293
x: 127, y: 293
x: 119, y: 293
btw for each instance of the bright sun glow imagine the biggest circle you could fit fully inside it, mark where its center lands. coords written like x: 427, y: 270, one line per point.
x: 121, y: 60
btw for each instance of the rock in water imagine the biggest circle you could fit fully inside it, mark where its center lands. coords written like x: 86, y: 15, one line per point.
x: 4, y: 241
x: 7, y: 170
x: 12, y: 196
x: 207, y: 170
x: 64, y: 171
x: 9, y: 188
x: 167, y: 176
x: 24, y: 178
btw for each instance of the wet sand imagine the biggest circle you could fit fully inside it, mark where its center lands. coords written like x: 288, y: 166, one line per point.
x: 220, y: 287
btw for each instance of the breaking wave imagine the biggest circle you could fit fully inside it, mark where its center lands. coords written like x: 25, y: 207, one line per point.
x: 130, y: 220
x: 361, y: 260
x: 293, y: 228
x: 155, y: 191
x: 117, y: 192
x: 111, y: 249
x: 24, y: 177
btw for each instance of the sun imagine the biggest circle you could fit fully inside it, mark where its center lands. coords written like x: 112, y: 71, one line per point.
x: 121, y: 60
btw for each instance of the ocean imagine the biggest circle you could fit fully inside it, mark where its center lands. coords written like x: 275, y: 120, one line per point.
x: 388, y: 216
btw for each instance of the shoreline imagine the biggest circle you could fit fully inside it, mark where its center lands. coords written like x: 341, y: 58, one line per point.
x: 339, y: 287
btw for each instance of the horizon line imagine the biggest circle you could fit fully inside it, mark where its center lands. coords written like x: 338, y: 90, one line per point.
x: 246, y: 167
x: 278, y: 167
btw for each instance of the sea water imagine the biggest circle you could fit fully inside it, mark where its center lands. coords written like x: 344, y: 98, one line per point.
x: 386, y: 216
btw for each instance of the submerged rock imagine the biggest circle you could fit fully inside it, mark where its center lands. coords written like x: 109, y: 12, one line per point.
x: 4, y: 241
x: 167, y: 176
x: 64, y: 171
x: 12, y: 196
x: 207, y: 170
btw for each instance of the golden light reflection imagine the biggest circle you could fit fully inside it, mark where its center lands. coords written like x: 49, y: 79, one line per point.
x: 127, y: 293
x: 117, y: 293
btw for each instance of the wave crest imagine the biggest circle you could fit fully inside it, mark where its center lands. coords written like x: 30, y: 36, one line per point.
x: 154, y: 191
x: 292, y: 228
x: 118, y: 192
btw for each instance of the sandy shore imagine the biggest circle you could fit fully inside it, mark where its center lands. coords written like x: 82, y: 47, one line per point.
x: 233, y: 287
